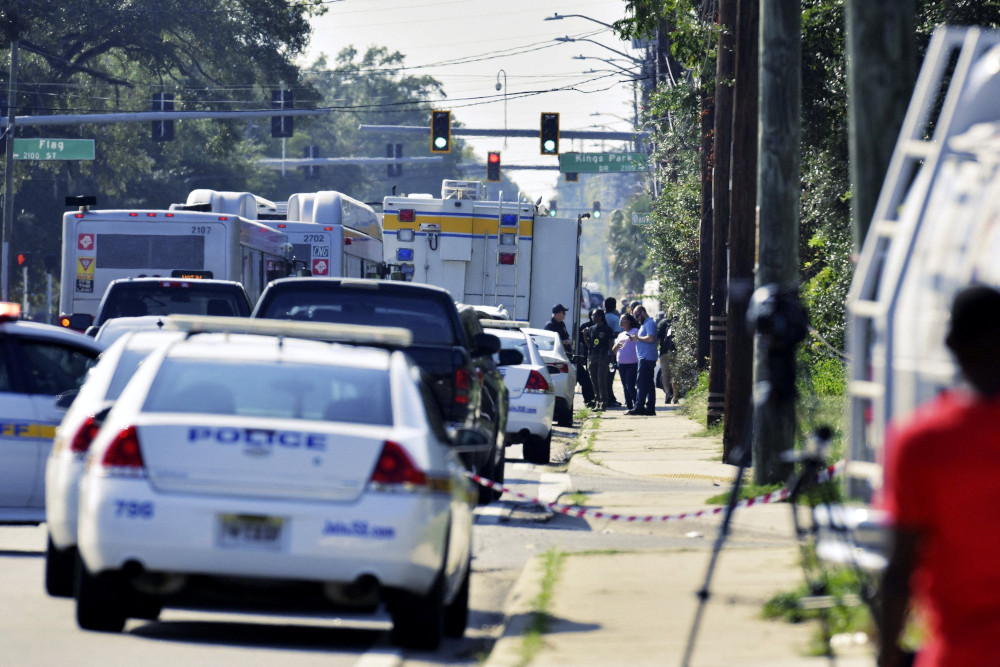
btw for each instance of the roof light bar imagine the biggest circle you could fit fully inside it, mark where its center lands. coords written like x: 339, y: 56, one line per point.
x: 504, y: 324
x: 347, y: 333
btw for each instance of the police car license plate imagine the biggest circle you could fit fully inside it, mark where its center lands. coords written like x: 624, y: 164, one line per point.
x: 247, y: 531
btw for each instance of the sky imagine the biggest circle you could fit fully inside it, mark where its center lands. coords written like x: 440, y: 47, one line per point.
x: 472, y: 45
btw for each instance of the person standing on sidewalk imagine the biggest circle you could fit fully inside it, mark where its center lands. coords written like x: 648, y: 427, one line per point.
x: 557, y: 325
x: 598, y: 339
x: 668, y: 358
x: 612, y: 317
x: 580, y: 360
x: 628, y: 362
x: 940, y: 491
x: 645, y: 390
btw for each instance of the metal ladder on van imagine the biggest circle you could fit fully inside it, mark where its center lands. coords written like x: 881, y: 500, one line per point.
x: 516, y: 230
x: 912, y: 171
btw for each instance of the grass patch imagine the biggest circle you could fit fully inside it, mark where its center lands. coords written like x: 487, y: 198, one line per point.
x: 747, y: 491
x: 581, y: 414
x: 847, y: 614
x: 540, y: 618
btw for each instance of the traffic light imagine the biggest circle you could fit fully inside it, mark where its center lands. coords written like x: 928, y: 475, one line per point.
x: 23, y: 259
x: 282, y: 126
x: 550, y: 134
x: 572, y: 177
x: 310, y: 171
x: 493, y: 166
x: 597, y: 210
x: 163, y: 130
x: 441, y: 132
x: 552, y: 208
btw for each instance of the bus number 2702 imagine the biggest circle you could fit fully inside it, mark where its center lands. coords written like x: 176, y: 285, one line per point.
x: 201, y: 229
x: 313, y: 238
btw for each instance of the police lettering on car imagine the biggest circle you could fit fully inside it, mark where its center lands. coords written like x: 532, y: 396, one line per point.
x: 258, y: 436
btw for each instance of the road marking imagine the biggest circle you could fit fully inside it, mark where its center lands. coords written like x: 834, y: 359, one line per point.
x: 551, y: 485
x: 380, y: 658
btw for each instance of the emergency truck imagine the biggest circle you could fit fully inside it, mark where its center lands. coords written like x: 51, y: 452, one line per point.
x: 935, y: 230
x: 103, y: 245
x: 331, y: 234
x: 485, y: 252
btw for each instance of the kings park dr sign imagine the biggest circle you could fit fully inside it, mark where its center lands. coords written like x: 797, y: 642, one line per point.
x: 602, y: 163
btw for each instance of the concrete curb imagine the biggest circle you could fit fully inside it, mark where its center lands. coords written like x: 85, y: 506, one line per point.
x: 507, y: 651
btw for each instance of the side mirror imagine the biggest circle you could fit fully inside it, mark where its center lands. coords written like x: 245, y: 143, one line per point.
x: 65, y: 399
x: 92, y: 330
x: 466, y: 440
x: 511, y: 357
x: 486, y: 344
x: 579, y: 359
x: 76, y: 321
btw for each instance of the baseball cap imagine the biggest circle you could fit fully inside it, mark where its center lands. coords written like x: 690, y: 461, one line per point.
x: 558, y: 308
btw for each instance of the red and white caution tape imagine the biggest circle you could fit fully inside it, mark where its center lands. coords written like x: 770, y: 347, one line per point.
x: 580, y: 512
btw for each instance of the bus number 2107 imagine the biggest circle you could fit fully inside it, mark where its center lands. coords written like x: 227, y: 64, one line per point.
x: 203, y: 229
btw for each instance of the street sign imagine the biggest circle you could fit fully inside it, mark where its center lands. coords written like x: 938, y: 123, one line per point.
x: 641, y: 219
x: 53, y: 149
x: 602, y: 163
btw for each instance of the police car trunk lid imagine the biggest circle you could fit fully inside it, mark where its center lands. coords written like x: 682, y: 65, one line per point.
x: 271, y: 459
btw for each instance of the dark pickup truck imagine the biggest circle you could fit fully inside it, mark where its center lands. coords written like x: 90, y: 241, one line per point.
x: 451, y: 349
x: 137, y: 297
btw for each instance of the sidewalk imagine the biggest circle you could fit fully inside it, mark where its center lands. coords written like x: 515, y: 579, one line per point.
x: 637, y: 607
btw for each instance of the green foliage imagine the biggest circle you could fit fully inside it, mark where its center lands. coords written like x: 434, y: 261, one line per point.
x: 847, y: 615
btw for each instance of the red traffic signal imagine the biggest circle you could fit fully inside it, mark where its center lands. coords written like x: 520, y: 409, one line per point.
x: 23, y: 258
x: 493, y: 166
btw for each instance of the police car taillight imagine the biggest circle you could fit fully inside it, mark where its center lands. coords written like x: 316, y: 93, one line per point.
x: 124, y: 453
x: 395, y: 467
x: 562, y: 366
x: 463, y: 383
x: 536, y: 383
x: 84, y: 436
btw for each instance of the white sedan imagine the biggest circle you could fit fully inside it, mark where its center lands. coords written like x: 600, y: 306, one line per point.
x: 562, y: 370
x: 74, y: 435
x: 530, y: 393
x: 271, y: 473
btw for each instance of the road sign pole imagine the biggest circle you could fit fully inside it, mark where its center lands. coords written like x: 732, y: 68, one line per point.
x: 8, y: 180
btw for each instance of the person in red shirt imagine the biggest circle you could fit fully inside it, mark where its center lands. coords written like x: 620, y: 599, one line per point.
x: 942, y: 493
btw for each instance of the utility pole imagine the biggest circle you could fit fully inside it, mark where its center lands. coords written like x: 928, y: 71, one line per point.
x: 742, y: 228
x: 778, y: 195
x: 8, y: 178
x: 705, y: 230
x: 720, y: 207
x: 881, y: 68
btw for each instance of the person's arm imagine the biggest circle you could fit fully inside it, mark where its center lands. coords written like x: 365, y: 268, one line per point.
x: 895, y: 595
x: 647, y: 338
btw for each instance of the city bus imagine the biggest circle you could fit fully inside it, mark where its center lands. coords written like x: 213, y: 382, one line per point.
x: 99, y: 246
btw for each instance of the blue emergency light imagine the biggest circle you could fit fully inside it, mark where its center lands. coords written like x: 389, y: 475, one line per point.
x: 404, y: 254
x: 508, y: 219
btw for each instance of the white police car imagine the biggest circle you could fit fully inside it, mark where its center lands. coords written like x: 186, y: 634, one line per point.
x: 530, y: 391
x: 104, y: 383
x: 38, y: 362
x: 269, y: 472
x: 561, y: 369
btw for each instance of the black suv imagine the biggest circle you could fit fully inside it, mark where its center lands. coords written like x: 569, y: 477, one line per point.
x: 451, y: 349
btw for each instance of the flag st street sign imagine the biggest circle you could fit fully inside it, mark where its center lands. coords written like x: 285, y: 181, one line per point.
x: 641, y: 219
x: 602, y: 163
x: 53, y: 149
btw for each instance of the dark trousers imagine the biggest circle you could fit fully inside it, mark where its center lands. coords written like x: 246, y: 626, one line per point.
x: 611, y: 385
x: 598, y: 365
x: 628, y: 372
x: 645, y: 391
